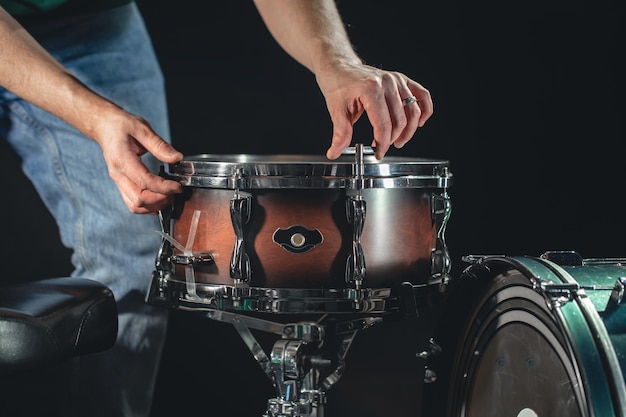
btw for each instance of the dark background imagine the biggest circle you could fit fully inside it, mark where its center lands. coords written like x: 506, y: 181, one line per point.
x: 529, y: 111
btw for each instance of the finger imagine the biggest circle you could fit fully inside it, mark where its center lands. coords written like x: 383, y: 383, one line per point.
x: 140, y: 200
x: 158, y: 204
x: 424, y: 100
x: 388, y: 116
x: 164, y: 152
x: 158, y: 147
x: 160, y: 185
x: 412, y: 112
x: 405, y: 116
x: 342, y: 135
x: 140, y: 187
x: 380, y: 118
x: 138, y: 173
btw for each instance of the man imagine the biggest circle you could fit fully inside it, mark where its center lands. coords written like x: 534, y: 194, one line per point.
x: 84, y: 107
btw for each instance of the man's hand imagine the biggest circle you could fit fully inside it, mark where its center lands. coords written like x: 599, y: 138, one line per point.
x: 124, y: 138
x: 386, y: 97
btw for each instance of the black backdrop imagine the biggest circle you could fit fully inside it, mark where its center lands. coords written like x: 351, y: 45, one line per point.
x: 528, y: 106
x: 528, y: 110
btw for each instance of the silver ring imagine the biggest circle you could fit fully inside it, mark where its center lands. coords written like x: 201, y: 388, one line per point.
x: 409, y: 100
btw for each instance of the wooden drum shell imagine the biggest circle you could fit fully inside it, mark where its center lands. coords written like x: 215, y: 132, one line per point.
x: 398, y: 236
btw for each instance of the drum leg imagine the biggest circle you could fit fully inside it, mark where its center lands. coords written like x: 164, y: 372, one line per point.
x: 304, y: 363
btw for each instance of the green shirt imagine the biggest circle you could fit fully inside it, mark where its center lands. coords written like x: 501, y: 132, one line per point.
x: 38, y: 7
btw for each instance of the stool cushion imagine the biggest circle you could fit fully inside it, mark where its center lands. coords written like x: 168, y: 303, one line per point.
x: 48, y: 321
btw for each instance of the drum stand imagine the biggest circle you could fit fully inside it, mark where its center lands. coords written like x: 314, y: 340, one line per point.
x: 304, y: 363
x: 310, y: 355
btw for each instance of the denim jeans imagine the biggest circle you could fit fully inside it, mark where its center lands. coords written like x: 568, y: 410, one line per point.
x: 110, y: 52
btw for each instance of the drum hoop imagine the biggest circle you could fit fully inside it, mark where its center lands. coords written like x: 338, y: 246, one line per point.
x: 250, y: 183
x: 281, y: 300
x: 299, y: 171
x: 598, y: 336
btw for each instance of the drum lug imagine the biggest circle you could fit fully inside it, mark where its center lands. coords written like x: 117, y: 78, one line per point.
x: 614, y: 316
x: 355, y: 264
x: 240, y: 207
x: 559, y: 294
x: 441, y: 264
x: 355, y: 212
x: 617, y: 294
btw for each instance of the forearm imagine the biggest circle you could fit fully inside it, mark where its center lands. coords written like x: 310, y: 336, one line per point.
x: 312, y: 32
x: 28, y: 71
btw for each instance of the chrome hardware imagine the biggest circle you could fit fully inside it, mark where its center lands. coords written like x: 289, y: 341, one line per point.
x: 193, y: 259
x: 165, y: 250
x: 297, y: 238
x: 308, y: 171
x: 302, y: 364
x: 359, y: 170
x: 617, y: 295
x: 433, y: 350
x: 560, y: 291
x: 614, y: 315
x: 355, y: 264
x: 430, y: 376
x: 306, y: 331
x: 353, y: 150
x: 441, y: 264
x: 355, y: 213
x: 240, y: 207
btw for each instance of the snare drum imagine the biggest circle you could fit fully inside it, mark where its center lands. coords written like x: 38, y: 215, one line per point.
x: 529, y: 337
x: 301, y: 233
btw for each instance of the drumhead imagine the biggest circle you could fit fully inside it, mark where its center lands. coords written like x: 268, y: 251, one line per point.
x: 521, y: 338
x: 242, y: 171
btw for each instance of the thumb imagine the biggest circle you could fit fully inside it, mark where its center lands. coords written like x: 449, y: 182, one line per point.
x: 162, y: 150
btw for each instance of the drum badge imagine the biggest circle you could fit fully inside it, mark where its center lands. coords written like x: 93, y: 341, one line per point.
x: 297, y: 238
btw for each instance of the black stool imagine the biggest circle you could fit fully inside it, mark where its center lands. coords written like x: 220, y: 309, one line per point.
x: 49, y: 321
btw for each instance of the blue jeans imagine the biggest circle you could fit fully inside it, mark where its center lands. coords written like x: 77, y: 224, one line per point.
x: 111, y: 53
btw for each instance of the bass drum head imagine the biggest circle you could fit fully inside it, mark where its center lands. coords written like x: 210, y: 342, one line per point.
x: 509, y: 349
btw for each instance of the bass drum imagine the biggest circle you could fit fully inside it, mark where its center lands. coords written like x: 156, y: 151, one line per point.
x: 528, y: 337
